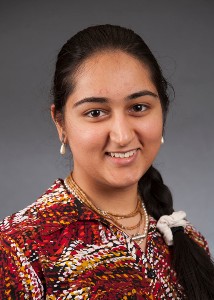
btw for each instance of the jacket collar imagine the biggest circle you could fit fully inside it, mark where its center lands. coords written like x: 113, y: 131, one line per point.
x: 57, y: 208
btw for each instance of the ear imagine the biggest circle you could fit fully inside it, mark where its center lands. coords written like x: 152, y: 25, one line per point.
x: 59, y: 125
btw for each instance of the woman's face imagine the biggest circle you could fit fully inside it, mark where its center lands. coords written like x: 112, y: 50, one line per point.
x: 113, y: 120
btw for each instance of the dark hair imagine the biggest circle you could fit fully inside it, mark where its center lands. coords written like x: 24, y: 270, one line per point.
x: 193, y: 265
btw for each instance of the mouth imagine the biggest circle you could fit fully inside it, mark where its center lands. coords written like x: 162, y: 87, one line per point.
x: 126, y: 154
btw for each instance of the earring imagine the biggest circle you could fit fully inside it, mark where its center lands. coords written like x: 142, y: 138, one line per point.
x: 62, y: 148
x: 162, y: 140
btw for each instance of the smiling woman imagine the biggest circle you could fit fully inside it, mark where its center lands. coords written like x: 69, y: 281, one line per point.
x: 119, y: 113
x: 108, y: 231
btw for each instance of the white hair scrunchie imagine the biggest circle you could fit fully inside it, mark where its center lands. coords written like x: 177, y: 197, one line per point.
x: 165, y: 223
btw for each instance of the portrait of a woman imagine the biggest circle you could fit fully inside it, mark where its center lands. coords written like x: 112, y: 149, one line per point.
x: 108, y: 230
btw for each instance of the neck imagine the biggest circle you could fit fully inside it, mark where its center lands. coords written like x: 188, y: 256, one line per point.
x: 116, y: 200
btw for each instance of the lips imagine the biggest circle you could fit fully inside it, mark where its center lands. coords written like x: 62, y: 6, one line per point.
x: 126, y: 154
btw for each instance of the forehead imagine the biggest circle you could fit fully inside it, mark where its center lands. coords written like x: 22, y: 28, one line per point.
x: 113, y: 74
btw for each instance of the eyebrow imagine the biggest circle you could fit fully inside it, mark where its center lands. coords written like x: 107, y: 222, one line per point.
x: 105, y: 100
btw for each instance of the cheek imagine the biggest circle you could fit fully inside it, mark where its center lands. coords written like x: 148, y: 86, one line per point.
x: 84, y: 138
x: 151, y: 140
x: 152, y: 131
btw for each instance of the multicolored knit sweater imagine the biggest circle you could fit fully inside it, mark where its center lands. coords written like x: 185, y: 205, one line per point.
x: 57, y: 248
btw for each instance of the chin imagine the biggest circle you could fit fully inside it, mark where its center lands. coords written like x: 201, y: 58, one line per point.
x: 124, y: 181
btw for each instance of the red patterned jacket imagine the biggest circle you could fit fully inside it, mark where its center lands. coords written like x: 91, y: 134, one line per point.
x: 57, y: 248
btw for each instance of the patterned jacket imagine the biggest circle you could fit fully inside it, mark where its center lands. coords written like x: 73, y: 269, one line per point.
x: 57, y: 248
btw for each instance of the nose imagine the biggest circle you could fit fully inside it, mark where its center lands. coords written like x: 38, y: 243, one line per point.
x: 121, y: 131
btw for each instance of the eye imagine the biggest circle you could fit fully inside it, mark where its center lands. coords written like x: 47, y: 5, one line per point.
x: 95, y: 113
x: 139, y: 107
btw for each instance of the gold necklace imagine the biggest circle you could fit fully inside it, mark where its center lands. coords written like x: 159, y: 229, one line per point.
x: 79, y: 192
x: 119, y: 217
x: 72, y: 187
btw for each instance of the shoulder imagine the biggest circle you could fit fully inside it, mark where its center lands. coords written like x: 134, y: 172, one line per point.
x: 47, y: 214
x: 31, y: 216
x: 50, y: 207
x: 197, y: 237
x: 22, y: 237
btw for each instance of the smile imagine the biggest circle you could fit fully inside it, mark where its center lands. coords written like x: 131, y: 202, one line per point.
x: 122, y: 155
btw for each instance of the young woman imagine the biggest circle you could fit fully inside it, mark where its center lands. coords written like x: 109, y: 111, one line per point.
x: 108, y: 231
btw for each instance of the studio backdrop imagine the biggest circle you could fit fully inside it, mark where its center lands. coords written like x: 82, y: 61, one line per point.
x: 180, y: 34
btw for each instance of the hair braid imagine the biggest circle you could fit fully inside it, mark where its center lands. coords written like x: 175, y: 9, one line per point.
x: 193, y: 265
x: 157, y: 196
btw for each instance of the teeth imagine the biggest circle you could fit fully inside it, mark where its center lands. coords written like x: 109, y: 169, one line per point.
x: 122, y: 155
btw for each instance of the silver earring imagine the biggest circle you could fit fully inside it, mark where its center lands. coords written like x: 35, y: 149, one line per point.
x: 162, y: 140
x: 62, y: 148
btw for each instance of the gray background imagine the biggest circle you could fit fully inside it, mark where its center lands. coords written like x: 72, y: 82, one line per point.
x: 180, y: 33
